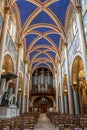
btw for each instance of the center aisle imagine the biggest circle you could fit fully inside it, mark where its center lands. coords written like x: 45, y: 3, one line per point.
x: 44, y: 123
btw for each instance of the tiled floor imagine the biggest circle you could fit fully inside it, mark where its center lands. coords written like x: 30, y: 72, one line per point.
x: 44, y: 123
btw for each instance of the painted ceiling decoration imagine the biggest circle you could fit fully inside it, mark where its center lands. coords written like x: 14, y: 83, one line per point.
x: 42, y: 25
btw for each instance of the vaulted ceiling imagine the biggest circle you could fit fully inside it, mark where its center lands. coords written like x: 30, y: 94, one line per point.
x: 42, y: 24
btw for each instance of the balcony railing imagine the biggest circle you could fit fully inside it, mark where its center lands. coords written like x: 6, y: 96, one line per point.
x: 50, y: 92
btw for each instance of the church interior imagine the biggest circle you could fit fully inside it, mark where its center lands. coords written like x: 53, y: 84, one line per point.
x: 43, y: 64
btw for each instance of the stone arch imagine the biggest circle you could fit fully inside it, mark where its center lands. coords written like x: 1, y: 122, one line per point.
x: 44, y: 103
x: 79, y: 85
x: 8, y: 76
x: 8, y: 64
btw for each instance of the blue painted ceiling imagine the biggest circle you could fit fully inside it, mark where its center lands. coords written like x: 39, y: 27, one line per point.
x: 59, y: 8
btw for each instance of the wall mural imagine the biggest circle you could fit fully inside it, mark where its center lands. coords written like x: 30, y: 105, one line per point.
x: 75, y: 48
x: 64, y: 69
x: 84, y: 4
x: 11, y: 48
x: 85, y: 26
x: 1, y: 21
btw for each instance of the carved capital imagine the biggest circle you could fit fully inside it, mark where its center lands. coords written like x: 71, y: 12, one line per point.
x: 65, y: 92
x: 78, y: 8
x: 7, y: 9
x: 65, y: 44
x: 20, y: 45
x: 74, y: 86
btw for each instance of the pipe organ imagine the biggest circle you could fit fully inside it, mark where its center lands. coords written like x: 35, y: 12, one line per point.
x: 42, y: 80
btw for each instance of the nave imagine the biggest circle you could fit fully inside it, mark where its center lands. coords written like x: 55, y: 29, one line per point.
x: 44, y: 123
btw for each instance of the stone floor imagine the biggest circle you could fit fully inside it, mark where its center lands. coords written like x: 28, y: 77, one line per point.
x: 44, y: 123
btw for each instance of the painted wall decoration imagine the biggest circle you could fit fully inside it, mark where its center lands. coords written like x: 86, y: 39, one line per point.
x: 64, y: 69
x: 75, y: 48
x: 1, y: 22
x: 85, y: 26
x: 84, y: 4
x: 10, y: 47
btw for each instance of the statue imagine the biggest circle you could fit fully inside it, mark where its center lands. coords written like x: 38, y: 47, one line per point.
x: 5, y: 99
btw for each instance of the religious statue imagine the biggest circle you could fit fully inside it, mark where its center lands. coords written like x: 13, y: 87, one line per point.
x: 5, y: 99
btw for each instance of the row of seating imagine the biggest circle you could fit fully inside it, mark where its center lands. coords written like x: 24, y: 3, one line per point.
x: 25, y: 121
x: 68, y: 121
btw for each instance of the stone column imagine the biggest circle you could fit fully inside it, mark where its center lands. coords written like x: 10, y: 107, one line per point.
x: 59, y: 101
x: 3, y: 36
x: 70, y: 97
x: 23, y: 101
x: 61, y: 88
x: 56, y: 92
x: 3, y: 85
x: 28, y: 86
x: 82, y: 37
x: 76, y: 99
x: 66, y: 101
x: 18, y: 69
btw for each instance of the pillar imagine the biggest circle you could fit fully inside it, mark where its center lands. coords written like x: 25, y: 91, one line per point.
x: 61, y: 89
x: 59, y: 101
x: 70, y: 96
x: 23, y: 101
x: 3, y: 85
x: 82, y: 37
x: 28, y: 90
x: 3, y: 36
x: 56, y: 92
x: 66, y: 101
x: 76, y: 99
x: 18, y: 69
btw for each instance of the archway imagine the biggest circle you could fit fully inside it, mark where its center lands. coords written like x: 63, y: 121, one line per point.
x: 8, y: 76
x: 79, y: 86
x: 43, y: 104
x: 65, y: 92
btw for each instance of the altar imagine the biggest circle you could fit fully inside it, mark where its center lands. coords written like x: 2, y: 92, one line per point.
x: 9, y: 112
x: 8, y: 103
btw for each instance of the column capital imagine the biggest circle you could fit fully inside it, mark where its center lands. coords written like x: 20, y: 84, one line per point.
x: 74, y: 86
x: 55, y: 71
x: 7, y: 9
x: 25, y: 61
x: 78, y: 8
x: 65, y: 44
x: 19, y: 45
x: 65, y: 92
x: 60, y: 61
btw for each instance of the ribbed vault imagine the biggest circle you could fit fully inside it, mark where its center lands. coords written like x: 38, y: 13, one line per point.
x: 43, y: 47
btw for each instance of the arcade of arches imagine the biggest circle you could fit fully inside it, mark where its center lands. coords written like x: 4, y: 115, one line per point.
x: 43, y: 56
